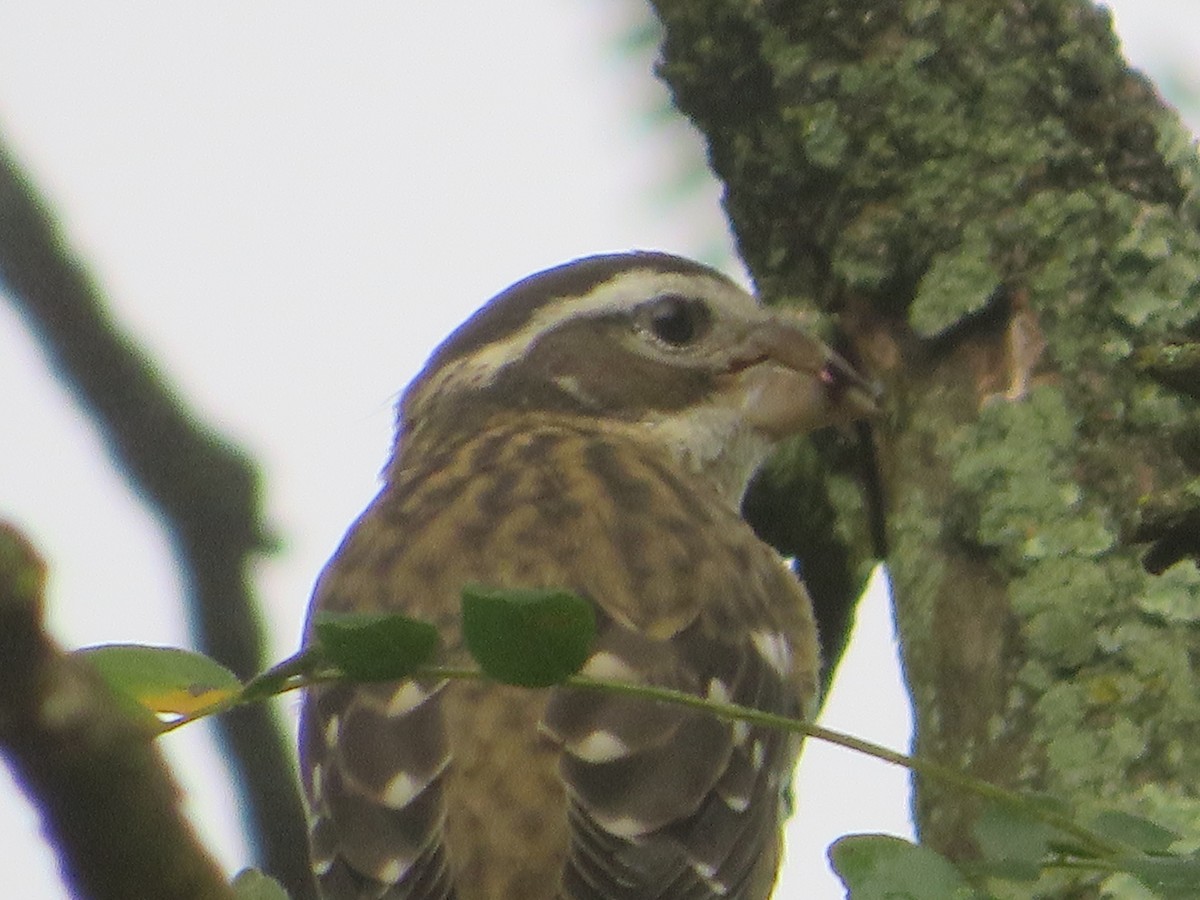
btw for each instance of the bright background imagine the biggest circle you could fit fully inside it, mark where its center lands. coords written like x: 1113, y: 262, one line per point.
x: 289, y: 203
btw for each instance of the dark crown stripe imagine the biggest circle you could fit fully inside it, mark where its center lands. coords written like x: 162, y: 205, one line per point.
x: 511, y: 310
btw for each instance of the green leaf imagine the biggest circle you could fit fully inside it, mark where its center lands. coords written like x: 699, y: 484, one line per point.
x: 883, y: 867
x: 1175, y: 878
x: 1143, y: 834
x: 163, y: 680
x: 251, y: 884
x: 527, y: 637
x: 375, y: 647
x: 1013, y: 843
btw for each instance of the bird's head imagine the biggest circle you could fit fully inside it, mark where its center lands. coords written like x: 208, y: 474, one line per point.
x: 656, y: 346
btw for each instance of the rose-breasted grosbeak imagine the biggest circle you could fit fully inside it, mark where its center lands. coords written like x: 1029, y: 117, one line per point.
x: 591, y: 428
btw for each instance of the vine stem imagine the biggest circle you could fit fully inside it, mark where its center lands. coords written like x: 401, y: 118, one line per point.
x: 304, y: 670
x: 1090, y: 841
x: 1093, y: 842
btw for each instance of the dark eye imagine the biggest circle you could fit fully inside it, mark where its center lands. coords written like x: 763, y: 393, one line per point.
x: 677, y: 320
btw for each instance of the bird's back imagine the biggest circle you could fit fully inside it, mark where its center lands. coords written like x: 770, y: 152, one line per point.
x: 483, y: 791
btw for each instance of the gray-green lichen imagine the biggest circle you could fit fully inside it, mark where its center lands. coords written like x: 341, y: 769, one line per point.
x: 930, y: 160
x: 957, y: 283
x: 1013, y: 466
x: 1107, y: 672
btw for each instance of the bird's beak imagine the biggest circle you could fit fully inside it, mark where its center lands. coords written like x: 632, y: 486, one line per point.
x: 792, y: 382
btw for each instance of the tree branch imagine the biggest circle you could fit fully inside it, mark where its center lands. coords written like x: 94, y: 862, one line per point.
x: 103, y: 791
x: 204, y: 490
x: 1003, y: 218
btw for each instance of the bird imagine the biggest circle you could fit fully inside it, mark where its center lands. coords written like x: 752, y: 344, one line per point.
x: 592, y: 429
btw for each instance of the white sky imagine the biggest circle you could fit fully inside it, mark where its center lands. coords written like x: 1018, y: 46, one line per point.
x: 289, y: 203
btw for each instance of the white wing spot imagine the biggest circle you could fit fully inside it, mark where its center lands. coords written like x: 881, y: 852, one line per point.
x: 739, y: 803
x: 775, y: 648
x: 331, y: 731
x: 316, y: 777
x: 623, y: 826
x: 708, y: 874
x: 390, y: 873
x: 757, y: 755
x: 704, y: 870
x: 718, y: 691
x: 600, y: 746
x: 400, y: 791
x: 741, y: 731
x: 322, y: 865
x: 608, y: 665
x: 408, y: 697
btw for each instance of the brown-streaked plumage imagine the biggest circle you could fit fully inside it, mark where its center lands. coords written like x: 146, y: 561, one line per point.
x: 591, y: 428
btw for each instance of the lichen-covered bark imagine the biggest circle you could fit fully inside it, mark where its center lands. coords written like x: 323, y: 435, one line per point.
x: 1003, y: 219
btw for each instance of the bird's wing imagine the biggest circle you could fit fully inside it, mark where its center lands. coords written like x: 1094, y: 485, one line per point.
x: 670, y: 797
x: 449, y: 790
x: 667, y: 802
x: 373, y: 759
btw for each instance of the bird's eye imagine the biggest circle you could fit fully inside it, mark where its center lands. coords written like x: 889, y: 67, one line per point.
x: 676, y: 320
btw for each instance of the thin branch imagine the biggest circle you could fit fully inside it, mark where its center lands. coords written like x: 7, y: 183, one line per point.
x: 203, y: 489
x: 103, y: 791
x: 311, y: 667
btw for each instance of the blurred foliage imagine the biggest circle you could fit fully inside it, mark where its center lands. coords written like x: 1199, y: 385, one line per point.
x: 1179, y: 83
x: 684, y: 174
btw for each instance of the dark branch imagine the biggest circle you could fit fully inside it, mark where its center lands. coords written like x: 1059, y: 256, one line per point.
x: 204, y: 490
x: 105, y: 796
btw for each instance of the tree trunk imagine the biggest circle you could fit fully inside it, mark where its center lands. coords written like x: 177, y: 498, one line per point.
x: 1002, y: 218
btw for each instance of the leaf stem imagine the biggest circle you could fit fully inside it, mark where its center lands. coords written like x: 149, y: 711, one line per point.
x: 1090, y: 840
x: 308, y: 668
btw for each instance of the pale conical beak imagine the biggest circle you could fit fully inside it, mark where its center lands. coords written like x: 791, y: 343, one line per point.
x: 795, y: 383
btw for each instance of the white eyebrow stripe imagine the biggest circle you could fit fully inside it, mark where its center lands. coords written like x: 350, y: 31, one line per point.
x: 622, y: 292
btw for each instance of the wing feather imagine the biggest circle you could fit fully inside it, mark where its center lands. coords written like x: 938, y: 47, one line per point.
x: 428, y: 792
